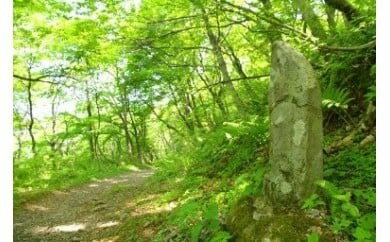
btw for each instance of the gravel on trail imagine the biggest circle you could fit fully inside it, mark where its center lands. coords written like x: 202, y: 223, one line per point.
x: 90, y: 212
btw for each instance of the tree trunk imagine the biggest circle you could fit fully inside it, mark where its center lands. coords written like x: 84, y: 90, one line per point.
x: 349, y: 11
x: 96, y: 142
x: 187, y: 123
x: 221, y: 63
x: 216, y: 97
x: 311, y: 18
x: 91, y: 136
x: 237, y: 65
x: 53, y: 141
x: 30, y: 108
x: 273, y: 30
x: 191, y: 100
x: 136, y: 138
x: 129, y: 142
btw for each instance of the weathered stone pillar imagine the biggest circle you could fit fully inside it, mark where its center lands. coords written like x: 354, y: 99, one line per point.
x: 296, y: 127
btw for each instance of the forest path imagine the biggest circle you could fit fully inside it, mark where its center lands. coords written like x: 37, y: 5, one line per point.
x: 91, y: 212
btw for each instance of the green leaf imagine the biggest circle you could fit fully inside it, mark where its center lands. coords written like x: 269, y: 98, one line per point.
x: 221, y: 236
x: 350, y: 209
x: 211, y: 212
x: 361, y: 234
x: 313, y: 237
x: 313, y: 201
x: 195, y: 232
x: 343, y: 197
x: 368, y: 221
x: 328, y: 186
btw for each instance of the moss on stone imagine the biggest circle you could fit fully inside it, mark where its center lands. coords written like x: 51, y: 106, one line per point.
x: 284, y: 225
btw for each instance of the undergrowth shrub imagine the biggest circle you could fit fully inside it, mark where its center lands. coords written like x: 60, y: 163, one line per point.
x: 349, y: 193
x: 229, y: 163
x: 208, y: 177
x: 333, y: 97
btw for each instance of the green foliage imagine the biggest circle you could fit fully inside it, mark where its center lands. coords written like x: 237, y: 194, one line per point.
x: 151, y: 87
x: 345, y: 216
x: 354, y: 169
x: 44, y: 173
x: 233, y: 146
x: 335, y: 103
x: 335, y: 98
x: 209, y: 226
x: 366, y: 227
x: 371, y: 94
x: 313, y: 201
x: 206, y: 178
x: 197, y: 222
x: 350, y: 195
x: 313, y: 237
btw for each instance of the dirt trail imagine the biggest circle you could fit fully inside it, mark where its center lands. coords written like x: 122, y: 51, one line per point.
x: 90, y: 212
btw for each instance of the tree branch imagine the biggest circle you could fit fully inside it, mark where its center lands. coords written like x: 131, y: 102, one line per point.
x: 370, y: 44
x: 40, y: 79
x: 234, y: 79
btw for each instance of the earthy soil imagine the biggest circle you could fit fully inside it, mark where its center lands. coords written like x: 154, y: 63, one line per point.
x: 92, y: 212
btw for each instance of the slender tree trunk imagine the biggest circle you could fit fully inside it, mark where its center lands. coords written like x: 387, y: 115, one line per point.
x: 129, y: 142
x: 118, y: 145
x: 144, y: 146
x: 192, y: 103
x: 179, y: 111
x: 63, y: 141
x: 311, y: 18
x: 209, y: 119
x: 53, y: 141
x: 221, y: 63
x: 19, y: 151
x: 237, y: 65
x: 136, y: 138
x: 91, y: 136
x: 215, y: 96
x: 30, y: 108
x: 96, y: 142
x: 165, y: 142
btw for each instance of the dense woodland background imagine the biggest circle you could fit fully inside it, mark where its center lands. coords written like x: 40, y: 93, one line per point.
x: 102, y: 87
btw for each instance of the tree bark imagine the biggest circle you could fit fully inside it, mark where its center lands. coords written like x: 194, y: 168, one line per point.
x: 311, y: 18
x: 129, y: 142
x: 91, y: 135
x: 222, y: 63
x: 350, y: 12
x: 187, y: 123
x: 237, y: 65
x: 216, y: 97
x: 30, y: 108
x: 136, y: 138
x: 53, y: 140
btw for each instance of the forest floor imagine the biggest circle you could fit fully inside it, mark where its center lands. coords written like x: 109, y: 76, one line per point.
x: 97, y: 211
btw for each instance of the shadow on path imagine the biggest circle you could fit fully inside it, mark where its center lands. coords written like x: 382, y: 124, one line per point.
x: 91, y: 212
